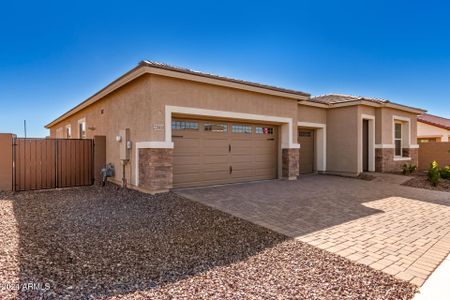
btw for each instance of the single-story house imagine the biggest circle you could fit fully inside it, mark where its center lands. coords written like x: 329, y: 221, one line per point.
x: 432, y: 128
x: 177, y: 127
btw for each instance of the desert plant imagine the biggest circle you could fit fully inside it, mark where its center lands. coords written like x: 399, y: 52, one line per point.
x: 408, y: 169
x: 445, y: 172
x: 434, y: 173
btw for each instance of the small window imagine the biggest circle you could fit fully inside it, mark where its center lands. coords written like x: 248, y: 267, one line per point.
x: 216, y: 127
x: 398, y: 139
x: 241, y: 128
x: 184, y: 125
x: 427, y: 140
x: 68, y: 131
x: 264, y: 130
x: 82, y: 129
x: 304, y: 133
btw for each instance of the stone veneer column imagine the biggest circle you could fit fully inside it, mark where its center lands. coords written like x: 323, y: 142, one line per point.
x: 290, y: 163
x: 384, y: 159
x: 155, y: 169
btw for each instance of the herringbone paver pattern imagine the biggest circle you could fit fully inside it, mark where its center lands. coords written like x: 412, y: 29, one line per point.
x: 400, y: 230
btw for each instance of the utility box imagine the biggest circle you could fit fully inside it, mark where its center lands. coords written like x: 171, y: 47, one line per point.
x: 124, y: 144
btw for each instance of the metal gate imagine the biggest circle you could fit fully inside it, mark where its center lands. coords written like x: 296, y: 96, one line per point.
x: 52, y: 163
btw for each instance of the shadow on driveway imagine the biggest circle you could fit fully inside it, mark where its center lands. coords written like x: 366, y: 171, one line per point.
x: 310, y: 204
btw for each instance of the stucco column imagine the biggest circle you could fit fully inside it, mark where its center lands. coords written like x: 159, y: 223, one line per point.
x: 290, y: 163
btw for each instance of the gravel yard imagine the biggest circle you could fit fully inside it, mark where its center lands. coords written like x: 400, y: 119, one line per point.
x: 420, y: 180
x: 110, y: 243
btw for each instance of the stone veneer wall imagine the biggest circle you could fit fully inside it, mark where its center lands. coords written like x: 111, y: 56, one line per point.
x: 155, y: 169
x: 290, y: 163
x: 384, y: 159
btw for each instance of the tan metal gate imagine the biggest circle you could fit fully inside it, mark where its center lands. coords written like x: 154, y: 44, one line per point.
x: 52, y: 163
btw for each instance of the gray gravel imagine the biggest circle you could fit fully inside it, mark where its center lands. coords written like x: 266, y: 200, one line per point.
x: 110, y: 243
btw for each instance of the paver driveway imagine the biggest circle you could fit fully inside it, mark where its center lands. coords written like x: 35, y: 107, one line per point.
x: 401, y: 230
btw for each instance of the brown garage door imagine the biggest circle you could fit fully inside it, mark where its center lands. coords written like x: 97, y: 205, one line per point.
x: 211, y: 152
x: 306, y: 141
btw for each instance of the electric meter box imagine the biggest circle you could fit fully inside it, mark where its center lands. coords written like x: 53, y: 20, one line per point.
x: 125, y: 144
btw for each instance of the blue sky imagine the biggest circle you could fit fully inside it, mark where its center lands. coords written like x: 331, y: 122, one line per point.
x: 54, y: 54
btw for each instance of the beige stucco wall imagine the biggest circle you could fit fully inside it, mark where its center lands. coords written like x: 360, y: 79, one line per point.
x: 177, y: 92
x: 312, y: 114
x: 140, y: 106
x: 342, y: 140
x: 127, y: 107
x: 426, y: 130
x: 385, y: 125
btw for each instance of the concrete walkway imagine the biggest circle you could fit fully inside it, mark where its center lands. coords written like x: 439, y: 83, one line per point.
x: 400, y: 230
x: 437, y: 286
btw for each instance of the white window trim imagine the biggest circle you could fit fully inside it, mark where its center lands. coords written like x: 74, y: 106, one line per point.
x: 401, y: 139
x: 398, y: 158
x: 405, y: 119
x: 320, y: 143
x: 372, y: 145
x: 69, y: 126
x: 85, y: 128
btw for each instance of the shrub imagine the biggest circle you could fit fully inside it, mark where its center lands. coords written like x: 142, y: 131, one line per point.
x: 408, y: 169
x: 434, y: 173
x: 445, y: 172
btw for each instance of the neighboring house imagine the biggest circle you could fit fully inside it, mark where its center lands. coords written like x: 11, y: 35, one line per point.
x: 188, y: 128
x: 432, y: 128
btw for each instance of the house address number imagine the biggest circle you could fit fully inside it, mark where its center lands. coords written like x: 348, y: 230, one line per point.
x: 158, y: 127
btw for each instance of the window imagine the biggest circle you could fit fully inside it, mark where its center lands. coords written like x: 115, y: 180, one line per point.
x: 264, y: 130
x: 241, y: 128
x: 68, y: 131
x: 216, y: 127
x: 184, y: 125
x: 426, y: 140
x: 304, y: 133
x: 82, y: 128
x: 398, y: 139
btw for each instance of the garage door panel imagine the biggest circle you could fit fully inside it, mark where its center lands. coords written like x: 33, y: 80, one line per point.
x: 195, y: 179
x: 242, y: 166
x: 263, y: 158
x: 241, y: 159
x: 205, y: 157
x: 201, y: 168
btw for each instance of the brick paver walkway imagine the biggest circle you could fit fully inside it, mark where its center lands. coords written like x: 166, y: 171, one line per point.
x: 400, y: 230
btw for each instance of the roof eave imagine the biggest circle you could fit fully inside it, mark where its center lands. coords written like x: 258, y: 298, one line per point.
x: 434, y: 124
x: 366, y: 102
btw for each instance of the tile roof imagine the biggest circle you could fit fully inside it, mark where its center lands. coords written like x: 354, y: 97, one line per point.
x: 434, y: 120
x: 213, y: 76
x: 339, y: 98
